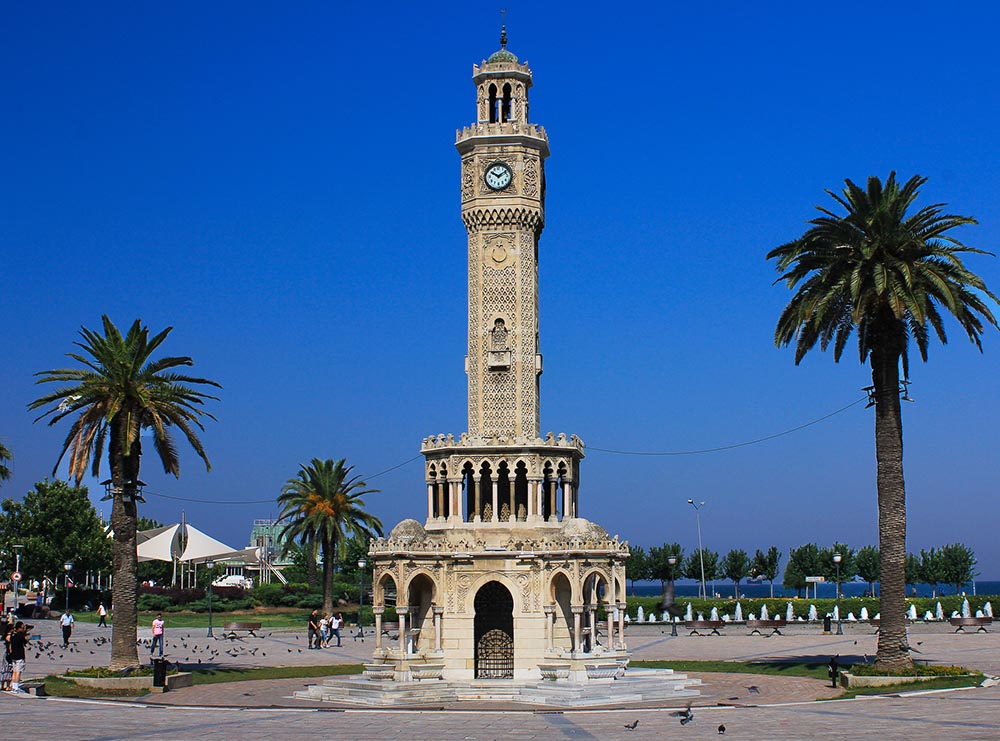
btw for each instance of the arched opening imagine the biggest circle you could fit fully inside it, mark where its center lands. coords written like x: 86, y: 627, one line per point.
x: 486, y: 509
x: 493, y: 104
x: 549, y: 484
x: 443, y: 493
x: 505, y: 104
x: 504, y: 492
x: 521, y: 491
x: 468, y: 490
x: 562, y: 627
x: 420, y: 599
x: 595, y: 590
x: 494, y: 632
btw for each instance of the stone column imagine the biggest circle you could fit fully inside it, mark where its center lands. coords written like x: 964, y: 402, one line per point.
x: 477, y: 500
x: 577, y: 628
x: 402, y: 612
x: 455, y: 493
x: 568, y: 509
x: 609, y: 607
x: 430, y: 500
x: 553, y: 492
x: 621, y: 625
x: 550, y: 613
x: 439, y: 486
x: 495, y: 485
x: 438, y: 616
x: 378, y: 627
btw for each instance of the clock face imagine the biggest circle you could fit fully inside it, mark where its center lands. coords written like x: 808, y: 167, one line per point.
x: 498, y: 175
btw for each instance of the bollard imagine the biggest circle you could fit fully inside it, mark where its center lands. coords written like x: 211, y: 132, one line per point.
x: 159, y: 672
x: 827, y: 623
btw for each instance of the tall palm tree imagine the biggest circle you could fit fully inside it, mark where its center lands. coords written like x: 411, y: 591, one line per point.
x: 119, y: 393
x: 884, y: 272
x: 5, y: 458
x: 323, y: 506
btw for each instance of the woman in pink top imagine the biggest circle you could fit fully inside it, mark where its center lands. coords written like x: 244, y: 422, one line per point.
x: 157, y: 635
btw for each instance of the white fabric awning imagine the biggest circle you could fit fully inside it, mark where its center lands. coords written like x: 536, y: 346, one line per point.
x: 164, y: 544
x: 161, y: 544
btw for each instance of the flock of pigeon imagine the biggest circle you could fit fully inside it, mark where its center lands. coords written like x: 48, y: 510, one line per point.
x: 687, y: 714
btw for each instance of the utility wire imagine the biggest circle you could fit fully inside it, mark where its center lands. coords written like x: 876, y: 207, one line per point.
x: 734, y: 445
x: 721, y: 448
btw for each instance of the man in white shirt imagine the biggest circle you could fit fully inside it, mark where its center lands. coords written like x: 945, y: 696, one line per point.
x: 66, y: 621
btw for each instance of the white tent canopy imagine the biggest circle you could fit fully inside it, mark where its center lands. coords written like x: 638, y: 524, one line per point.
x: 164, y: 544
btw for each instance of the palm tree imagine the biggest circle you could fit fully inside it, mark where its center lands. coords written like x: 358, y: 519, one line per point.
x: 884, y: 273
x: 323, y: 506
x: 5, y: 458
x: 116, y: 395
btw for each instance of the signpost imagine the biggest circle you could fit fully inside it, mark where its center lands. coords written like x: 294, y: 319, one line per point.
x: 815, y: 581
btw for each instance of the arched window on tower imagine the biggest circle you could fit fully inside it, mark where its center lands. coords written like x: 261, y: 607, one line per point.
x: 493, y: 104
x: 505, y: 105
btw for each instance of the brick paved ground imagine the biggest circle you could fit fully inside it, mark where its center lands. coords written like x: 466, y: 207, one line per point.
x: 242, y: 708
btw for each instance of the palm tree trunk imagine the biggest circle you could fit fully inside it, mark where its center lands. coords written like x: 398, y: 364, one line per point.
x: 893, y: 648
x: 328, y: 557
x: 311, y: 566
x: 125, y: 560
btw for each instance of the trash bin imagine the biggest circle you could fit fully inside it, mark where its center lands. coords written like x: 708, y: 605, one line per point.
x: 159, y: 672
x: 828, y: 624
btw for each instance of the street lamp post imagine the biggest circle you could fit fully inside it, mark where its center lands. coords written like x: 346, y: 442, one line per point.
x: 672, y: 560
x: 17, y: 568
x: 209, y: 565
x: 361, y: 596
x: 68, y: 566
x: 701, y: 551
x: 837, y: 558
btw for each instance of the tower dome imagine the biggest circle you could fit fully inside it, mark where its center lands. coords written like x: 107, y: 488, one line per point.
x: 502, y: 56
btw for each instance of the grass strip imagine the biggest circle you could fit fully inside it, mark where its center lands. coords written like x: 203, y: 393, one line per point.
x: 237, y: 674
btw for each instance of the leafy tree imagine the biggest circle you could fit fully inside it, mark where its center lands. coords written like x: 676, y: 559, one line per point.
x: 765, y: 565
x: 736, y: 567
x: 323, y: 506
x: 659, y: 562
x: 119, y: 392
x: 693, y: 565
x: 886, y: 273
x: 958, y: 565
x: 5, y: 458
x: 802, y: 562
x: 932, y: 569
x: 868, y: 564
x: 638, y: 566
x: 912, y: 570
x: 848, y: 566
x: 57, y: 524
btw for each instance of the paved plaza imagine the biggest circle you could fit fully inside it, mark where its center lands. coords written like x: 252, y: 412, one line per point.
x: 781, y: 707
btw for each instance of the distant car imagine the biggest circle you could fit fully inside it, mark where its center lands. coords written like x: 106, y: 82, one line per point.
x: 233, y: 580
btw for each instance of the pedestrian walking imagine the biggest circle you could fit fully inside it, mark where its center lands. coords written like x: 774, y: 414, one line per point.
x: 313, y: 636
x: 102, y: 613
x: 17, y: 640
x: 66, y: 621
x: 336, y: 623
x: 324, y: 631
x: 157, y: 634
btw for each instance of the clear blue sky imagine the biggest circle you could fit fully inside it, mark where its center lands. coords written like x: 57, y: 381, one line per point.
x: 279, y: 183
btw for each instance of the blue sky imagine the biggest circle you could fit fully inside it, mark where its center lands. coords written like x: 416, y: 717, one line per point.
x: 279, y: 183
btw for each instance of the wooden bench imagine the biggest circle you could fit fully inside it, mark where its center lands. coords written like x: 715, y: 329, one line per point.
x: 710, y: 625
x: 980, y: 623
x: 775, y: 626
x: 390, y: 630
x: 232, y: 630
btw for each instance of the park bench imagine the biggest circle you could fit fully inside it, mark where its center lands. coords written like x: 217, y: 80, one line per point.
x: 980, y: 623
x: 775, y: 626
x: 710, y: 625
x: 232, y: 630
x: 390, y: 630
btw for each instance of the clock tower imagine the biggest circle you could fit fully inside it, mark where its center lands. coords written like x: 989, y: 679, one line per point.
x: 503, y: 208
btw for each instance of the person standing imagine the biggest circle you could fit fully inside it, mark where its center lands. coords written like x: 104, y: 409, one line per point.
x: 66, y: 621
x: 6, y: 670
x: 336, y: 623
x: 313, y: 636
x: 102, y: 613
x: 157, y: 635
x: 324, y: 631
x: 17, y: 639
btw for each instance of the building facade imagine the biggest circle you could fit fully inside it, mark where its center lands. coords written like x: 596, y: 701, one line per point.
x: 504, y: 579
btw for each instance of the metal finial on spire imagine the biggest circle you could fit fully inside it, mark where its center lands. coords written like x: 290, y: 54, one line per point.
x: 503, y: 28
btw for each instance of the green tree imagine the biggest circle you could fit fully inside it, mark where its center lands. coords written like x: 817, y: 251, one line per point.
x: 693, y: 565
x: 848, y: 566
x: 885, y: 272
x: 5, y: 458
x: 56, y: 524
x: 958, y: 565
x: 638, y: 565
x: 868, y: 564
x: 659, y: 563
x: 323, y: 506
x: 736, y: 567
x: 119, y: 392
x: 932, y: 569
x: 802, y: 562
x: 765, y: 565
x: 912, y: 570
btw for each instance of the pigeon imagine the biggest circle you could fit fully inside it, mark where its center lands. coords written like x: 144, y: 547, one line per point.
x: 722, y: 730
x: 668, y: 603
x: 632, y: 726
x: 753, y: 689
x: 685, y: 721
x: 685, y: 715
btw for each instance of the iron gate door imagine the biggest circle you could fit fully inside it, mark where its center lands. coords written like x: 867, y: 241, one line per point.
x: 494, y: 632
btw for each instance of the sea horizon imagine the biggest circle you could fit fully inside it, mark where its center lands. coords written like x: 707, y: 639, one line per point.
x: 755, y: 590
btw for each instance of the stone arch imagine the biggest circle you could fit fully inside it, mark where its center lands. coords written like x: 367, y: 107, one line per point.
x: 493, y: 631
x: 421, y: 590
x: 382, y: 586
x: 561, y: 594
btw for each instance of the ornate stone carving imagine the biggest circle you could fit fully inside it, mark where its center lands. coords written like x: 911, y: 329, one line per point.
x: 530, y: 176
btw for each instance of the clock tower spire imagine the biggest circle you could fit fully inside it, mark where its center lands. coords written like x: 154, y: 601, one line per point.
x: 503, y: 207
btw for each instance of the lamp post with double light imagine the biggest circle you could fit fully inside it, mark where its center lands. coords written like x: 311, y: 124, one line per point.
x: 837, y: 558
x: 701, y: 551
